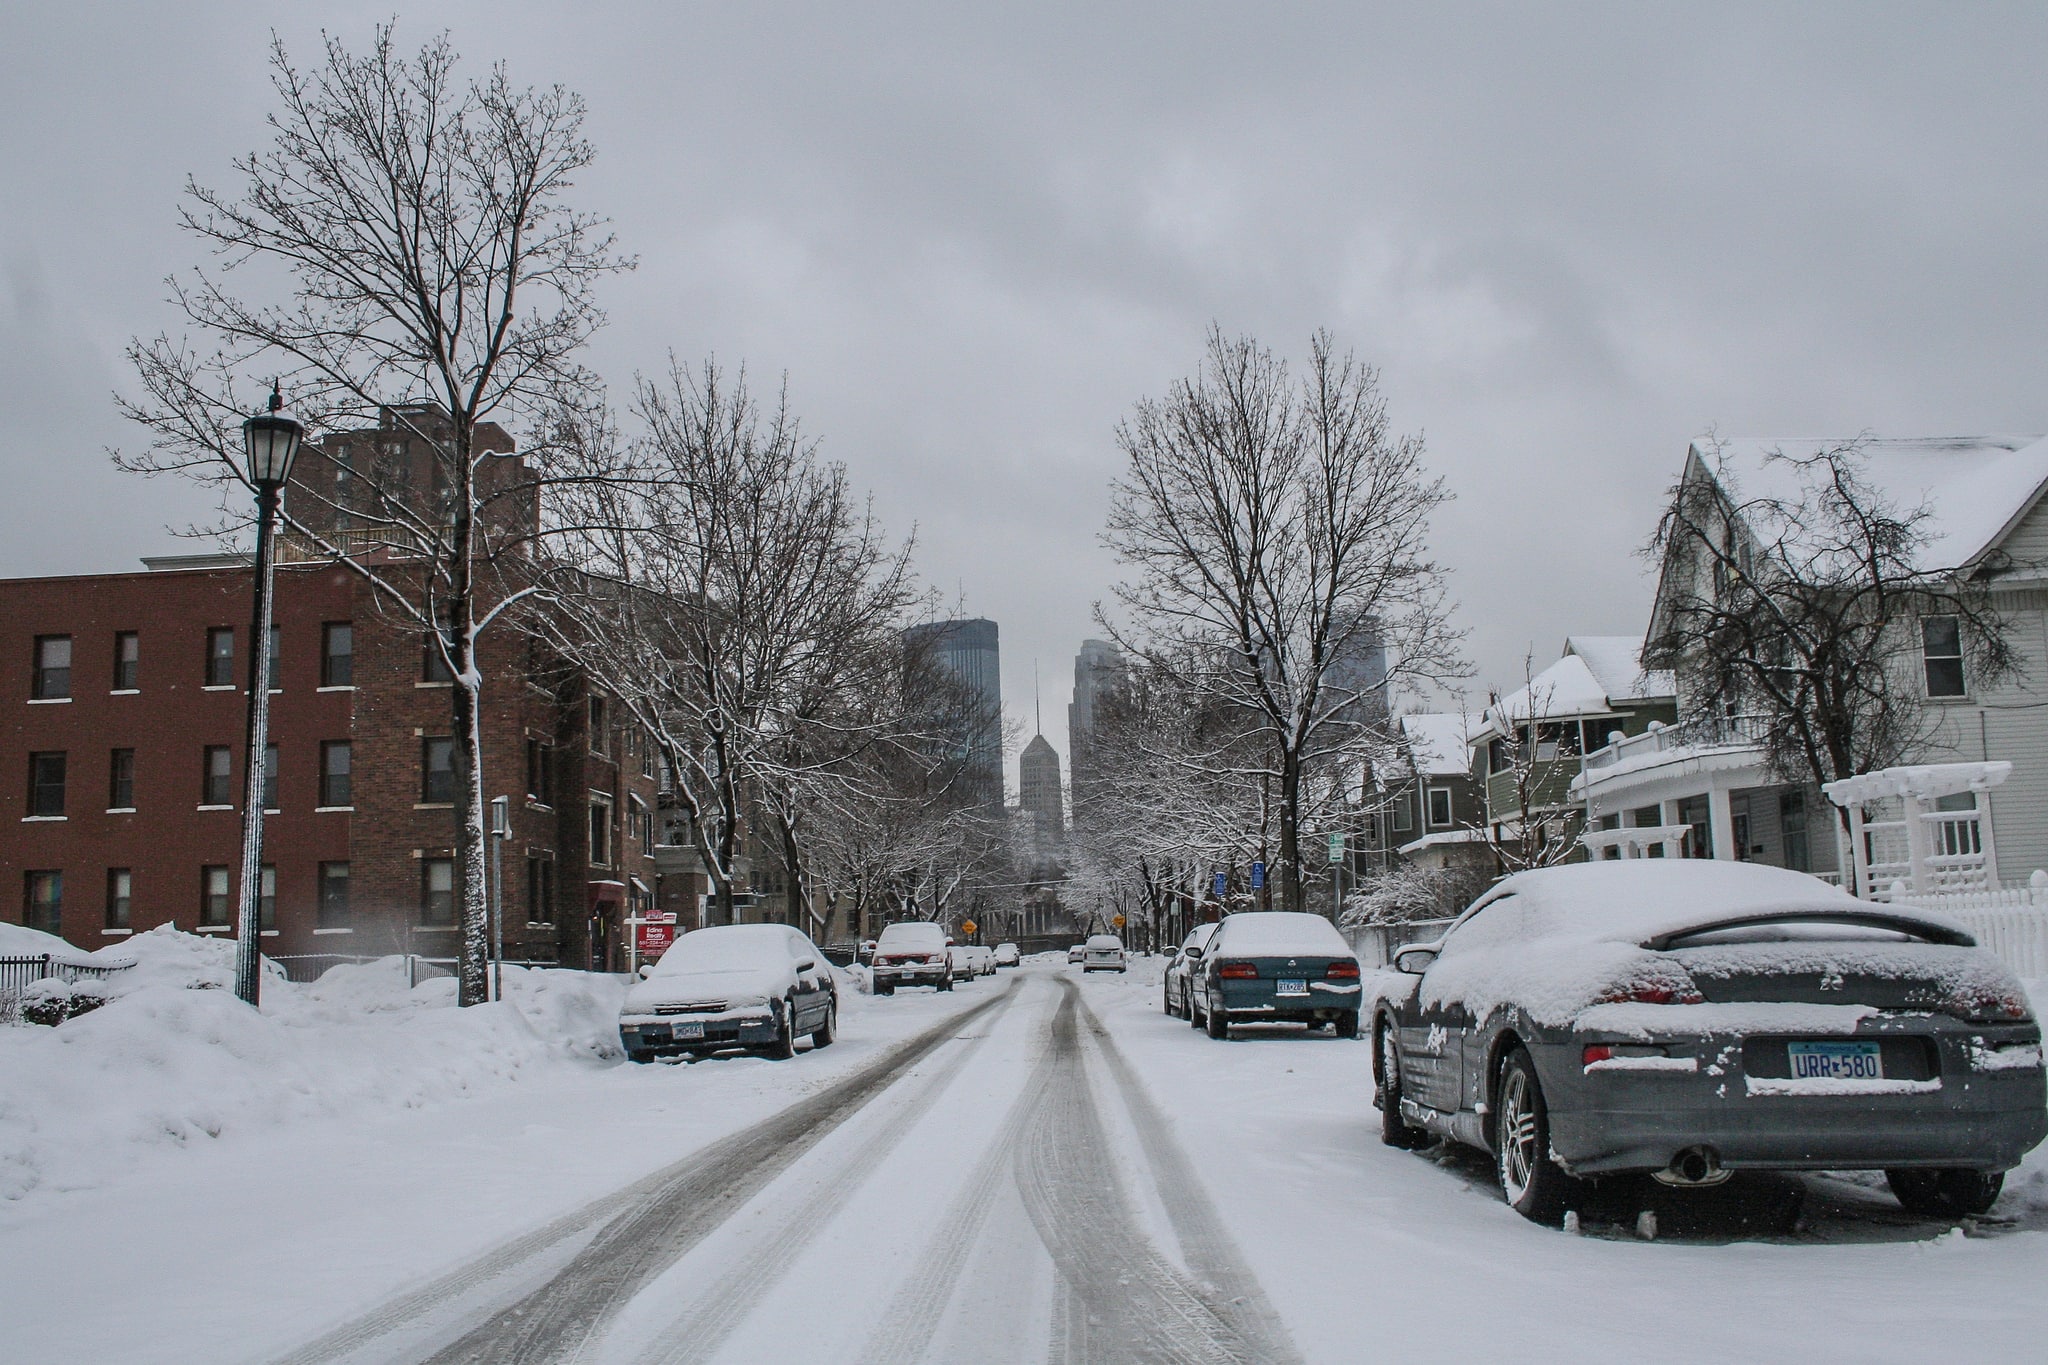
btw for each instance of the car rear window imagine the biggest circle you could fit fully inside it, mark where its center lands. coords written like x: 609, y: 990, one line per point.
x: 926, y: 936
x: 1104, y: 942
x: 1281, y: 931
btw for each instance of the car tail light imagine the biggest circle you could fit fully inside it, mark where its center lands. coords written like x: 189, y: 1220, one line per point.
x: 1345, y: 968
x: 1238, y: 971
x: 1596, y: 1052
x: 1661, y: 994
x: 1662, y: 984
x: 1604, y: 1052
x: 2002, y: 1007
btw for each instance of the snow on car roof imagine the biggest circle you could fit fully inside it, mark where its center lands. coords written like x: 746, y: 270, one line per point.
x: 916, y: 931
x: 1631, y: 900
x: 1281, y: 931
x: 725, y: 946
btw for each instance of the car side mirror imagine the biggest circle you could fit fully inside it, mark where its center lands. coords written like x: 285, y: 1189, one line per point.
x: 1414, y: 961
x: 646, y: 970
x: 1194, y: 954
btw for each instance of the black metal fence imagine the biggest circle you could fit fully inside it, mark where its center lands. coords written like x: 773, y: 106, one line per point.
x: 307, y: 967
x: 17, y: 974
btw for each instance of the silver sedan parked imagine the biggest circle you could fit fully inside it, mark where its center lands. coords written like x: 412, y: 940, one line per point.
x: 1691, y: 1018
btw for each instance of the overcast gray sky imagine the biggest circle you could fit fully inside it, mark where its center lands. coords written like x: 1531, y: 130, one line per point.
x: 1572, y: 239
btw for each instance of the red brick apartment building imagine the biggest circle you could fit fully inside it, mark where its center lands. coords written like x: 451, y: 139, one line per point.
x: 121, y: 755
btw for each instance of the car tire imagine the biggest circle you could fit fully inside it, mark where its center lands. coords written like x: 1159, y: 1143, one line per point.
x: 889, y: 989
x: 1166, y: 1001
x: 1533, y: 1185
x: 1345, y: 1025
x: 1946, y: 1193
x: 784, y: 1046
x: 946, y: 985
x: 827, y: 1032
x: 1395, y: 1131
x: 639, y: 1054
x: 1194, y: 1013
x: 1218, y: 1023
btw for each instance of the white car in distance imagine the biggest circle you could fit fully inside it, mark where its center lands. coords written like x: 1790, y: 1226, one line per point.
x: 1102, y: 953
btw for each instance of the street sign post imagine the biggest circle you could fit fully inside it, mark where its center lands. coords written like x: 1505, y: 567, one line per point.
x: 1117, y: 920
x: 1336, y: 847
x: 968, y: 926
x: 654, y: 939
x: 1222, y: 884
x: 1258, y: 876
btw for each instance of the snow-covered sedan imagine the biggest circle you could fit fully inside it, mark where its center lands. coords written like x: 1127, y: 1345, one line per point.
x: 1180, y: 969
x: 1692, y: 1018
x: 757, y: 986
x: 1007, y: 955
x: 914, y: 953
x: 1102, y: 953
x: 1276, y: 967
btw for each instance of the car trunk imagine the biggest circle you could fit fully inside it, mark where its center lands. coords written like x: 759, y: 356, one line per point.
x: 1884, y: 976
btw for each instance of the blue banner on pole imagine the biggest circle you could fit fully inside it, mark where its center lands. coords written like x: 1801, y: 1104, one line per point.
x: 1222, y: 884
x: 1258, y: 876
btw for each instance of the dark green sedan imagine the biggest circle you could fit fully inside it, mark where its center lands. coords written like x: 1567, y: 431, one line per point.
x: 1276, y: 967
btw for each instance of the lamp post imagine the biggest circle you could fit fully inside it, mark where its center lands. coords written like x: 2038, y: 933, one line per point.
x: 269, y: 440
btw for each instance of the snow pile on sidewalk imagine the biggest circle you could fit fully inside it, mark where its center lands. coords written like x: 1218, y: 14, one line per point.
x: 173, y: 1059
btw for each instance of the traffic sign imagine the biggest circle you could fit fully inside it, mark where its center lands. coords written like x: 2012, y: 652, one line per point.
x: 1117, y: 920
x: 967, y: 926
x: 1336, y: 846
x: 1258, y: 876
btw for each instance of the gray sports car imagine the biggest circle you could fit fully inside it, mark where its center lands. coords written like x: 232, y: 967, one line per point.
x: 1692, y: 1018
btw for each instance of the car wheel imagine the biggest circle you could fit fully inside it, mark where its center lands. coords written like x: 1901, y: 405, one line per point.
x: 824, y: 1034
x: 1534, y: 1185
x: 1218, y: 1022
x: 1194, y: 1011
x: 1345, y: 1025
x: 784, y: 1046
x: 639, y: 1054
x: 947, y: 984
x: 1166, y: 1000
x: 1950, y: 1193
x: 889, y: 989
x: 1395, y: 1131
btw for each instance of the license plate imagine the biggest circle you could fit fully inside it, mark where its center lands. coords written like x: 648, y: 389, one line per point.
x: 689, y: 1031
x: 1291, y: 986
x: 1837, y: 1061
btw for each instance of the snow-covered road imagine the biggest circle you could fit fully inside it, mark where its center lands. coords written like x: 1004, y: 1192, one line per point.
x: 1035, y: 1167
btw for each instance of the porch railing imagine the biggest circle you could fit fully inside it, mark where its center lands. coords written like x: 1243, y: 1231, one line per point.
x: 1701, y: 732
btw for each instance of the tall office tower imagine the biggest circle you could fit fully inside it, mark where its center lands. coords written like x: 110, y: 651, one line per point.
x: 1358, y: 668
x: 1038, y: 775
x: 1097, y: 668
x: 969, y: 650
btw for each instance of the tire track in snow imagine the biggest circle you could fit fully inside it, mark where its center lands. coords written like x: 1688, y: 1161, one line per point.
x: 1219, y: 1267
x: 1126, y: 1303
x: 552, y: 1286
x: 698, y: 1335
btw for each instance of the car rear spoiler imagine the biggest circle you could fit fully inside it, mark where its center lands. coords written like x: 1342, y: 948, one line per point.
x: 1933, y: 930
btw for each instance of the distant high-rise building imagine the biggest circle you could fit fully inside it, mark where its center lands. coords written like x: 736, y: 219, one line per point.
x: 1357, y: 674
x: 1096, y: 669
x: 1038, y: 776
x: 969, y: 649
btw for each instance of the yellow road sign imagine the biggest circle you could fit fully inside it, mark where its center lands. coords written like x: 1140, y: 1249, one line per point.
x: 967, y: 926
x: 1117, y: 920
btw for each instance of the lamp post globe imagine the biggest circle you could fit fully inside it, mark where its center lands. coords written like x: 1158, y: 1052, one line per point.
x: 270, y: 440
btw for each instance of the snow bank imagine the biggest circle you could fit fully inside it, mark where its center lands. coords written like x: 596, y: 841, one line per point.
x: 20, y: 941
x: 173, y: 1059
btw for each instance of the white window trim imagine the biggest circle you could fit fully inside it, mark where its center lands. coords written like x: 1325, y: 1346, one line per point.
x: 325, y: 810
x: 44, y: 819
x: 1429, y: 812
x: 334, y: 931
x: 219, y: 687
x: 49, y: 701
x: 123, y: 692
x: 213, y: 929
x: 115, y: 933
x: 337, y: 687
x: 120, y: 810
x: 229, y: 807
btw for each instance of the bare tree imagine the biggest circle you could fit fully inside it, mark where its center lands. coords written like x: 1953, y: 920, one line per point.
x: 1277, y: 533
x: 1540, y: 758
x: 1808, y: 608
x: 439, y: 284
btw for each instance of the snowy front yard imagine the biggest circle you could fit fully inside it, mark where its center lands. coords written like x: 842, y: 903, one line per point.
x: 185, y: 1181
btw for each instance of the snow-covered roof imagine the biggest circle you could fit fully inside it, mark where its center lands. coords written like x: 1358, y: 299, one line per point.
x: 1444, y: 837
x: 1616, y: 664
x: 1566, y: 688
x: 1440, y: 741
x: 1975, y: 487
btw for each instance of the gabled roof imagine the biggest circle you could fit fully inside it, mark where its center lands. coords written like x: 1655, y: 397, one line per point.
x: 1976, y: 488
x: 1566, y: 688
x: 1440, y: 742
x: 1616, y: 664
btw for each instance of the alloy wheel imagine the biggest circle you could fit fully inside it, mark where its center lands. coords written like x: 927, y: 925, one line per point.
x: 1516, y: 1135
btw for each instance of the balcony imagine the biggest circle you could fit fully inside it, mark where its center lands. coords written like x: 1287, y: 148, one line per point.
x: 1693, y: 736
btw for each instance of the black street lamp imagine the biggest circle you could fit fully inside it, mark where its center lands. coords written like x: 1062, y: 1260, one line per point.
x: 270, y: 440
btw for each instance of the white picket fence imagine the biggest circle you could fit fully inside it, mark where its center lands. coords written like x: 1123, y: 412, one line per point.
x: 2011, y: 921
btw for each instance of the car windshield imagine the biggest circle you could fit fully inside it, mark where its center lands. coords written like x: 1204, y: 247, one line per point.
x: 924, y: 937
x: 728, y: 948
x: 1282, y: 931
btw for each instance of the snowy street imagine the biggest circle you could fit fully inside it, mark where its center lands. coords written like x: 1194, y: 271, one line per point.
x: 1037, y: 1166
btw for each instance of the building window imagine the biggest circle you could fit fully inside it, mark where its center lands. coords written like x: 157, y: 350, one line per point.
x: 220, y: 656
x: 437, y: 771
x: 266, y: 902
x: 337, y: 786
x: 53, y: 668
x: 127, y: 661
x: 213, y: 896
x: 276, y: 654
x: 1440, y: 807
x: 434, y: 663
x: 215, y: 789
x: 338, y: 654
x: 43, y: 901
x: 540, y: 888
x: 641, y: 821
x: 334, y: 896
x: 1403, y: 814
x: 120, y: 885
x: 270, y: 788
x: 46, y: 783
x: 599, y: 724
x: 1792, y: 830
x: 1941, y: 652
x: 437, y: 891
x: 540, y: 774
x: 121, y: 780
x: 600, y: 831
x: 646, y: 756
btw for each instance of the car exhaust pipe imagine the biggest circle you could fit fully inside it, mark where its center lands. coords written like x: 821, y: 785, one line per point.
x: 1694, y: 1167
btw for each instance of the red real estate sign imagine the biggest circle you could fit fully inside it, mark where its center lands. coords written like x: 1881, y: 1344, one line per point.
x: 655, y: 939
